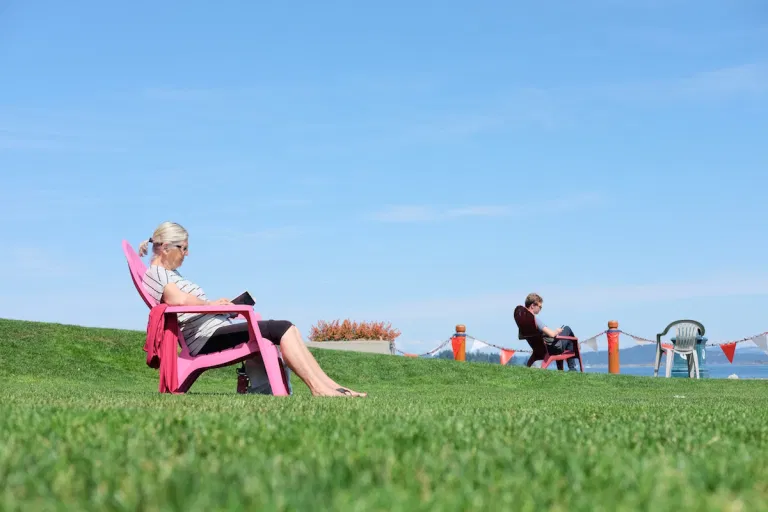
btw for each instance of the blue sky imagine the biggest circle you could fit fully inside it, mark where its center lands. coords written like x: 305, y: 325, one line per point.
x: 403, y: 162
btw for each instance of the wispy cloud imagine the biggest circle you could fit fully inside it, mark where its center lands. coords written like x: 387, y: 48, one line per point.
x: 580, y: 298
x: 746, y: 78
x: 330, y: 87
x: 407, y: 214
x: 423, y: 213
x: 481, y: 211
x: 24, y: 261
x: 428, y: 213
x: 45, y: 140
x: 274, y: 233
x: 691, y: 41
x: 14, y: 142
x: 709, y: 85
x: 290, y: 203
x: 195, y: 93
x: 551, y: 107
x: 521, y: 106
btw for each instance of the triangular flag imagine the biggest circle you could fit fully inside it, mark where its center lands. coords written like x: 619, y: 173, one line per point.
x: 506, y: 355
x: 591, y: 343
x: 458, y: 346
x: 468, y: 344
x: 728, y: 350
x: 477, y: 345
x: 762, y: 342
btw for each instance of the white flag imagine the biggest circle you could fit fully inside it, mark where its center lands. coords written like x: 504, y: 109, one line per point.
x: 591, y: 343
x: 476, y: 345
x: 468, y: 344
x: 762, y: 342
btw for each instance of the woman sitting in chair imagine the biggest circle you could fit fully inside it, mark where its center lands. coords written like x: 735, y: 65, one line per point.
x: 207, y: 333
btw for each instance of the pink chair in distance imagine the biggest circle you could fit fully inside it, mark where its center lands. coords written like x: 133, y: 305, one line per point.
x: 190, y: 368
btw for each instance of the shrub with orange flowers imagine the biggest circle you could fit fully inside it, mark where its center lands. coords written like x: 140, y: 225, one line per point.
x: 338, y: 330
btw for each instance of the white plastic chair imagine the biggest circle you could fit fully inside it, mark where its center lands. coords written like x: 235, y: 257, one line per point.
x: 687, y: 333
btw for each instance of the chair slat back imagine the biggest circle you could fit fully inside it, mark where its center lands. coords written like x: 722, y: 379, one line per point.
x: 137, y: 269
x: 685, y: 338
x: 526, y: 329
x: 526, y: 323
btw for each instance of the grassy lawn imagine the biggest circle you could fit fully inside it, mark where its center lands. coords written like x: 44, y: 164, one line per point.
x: 82, y: 427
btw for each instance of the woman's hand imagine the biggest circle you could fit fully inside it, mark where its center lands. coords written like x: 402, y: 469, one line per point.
x: 220, y: 302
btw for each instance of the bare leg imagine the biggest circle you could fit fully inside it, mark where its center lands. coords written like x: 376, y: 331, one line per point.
x: 301, y: 361
x: 298, y: 363
x: 292, y: 342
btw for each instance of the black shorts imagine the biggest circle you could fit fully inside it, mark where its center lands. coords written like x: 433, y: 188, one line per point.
x: 233, y: 335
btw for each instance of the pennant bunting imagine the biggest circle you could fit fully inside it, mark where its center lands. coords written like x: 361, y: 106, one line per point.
x: 410, y: 355
x: 729, y: 349
x: 458, y: 346
x: 762, y: 342
x: 468, y: 344
x: 506, y: 355
x: 477, y: 345
x: 591, y: 343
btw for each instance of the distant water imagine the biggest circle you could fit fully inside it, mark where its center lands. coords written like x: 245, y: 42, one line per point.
x: 716, y: 371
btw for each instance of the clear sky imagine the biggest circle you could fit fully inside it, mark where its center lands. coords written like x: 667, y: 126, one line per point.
x: 423, y: 163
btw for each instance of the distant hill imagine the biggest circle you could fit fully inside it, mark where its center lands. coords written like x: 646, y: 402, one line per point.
x: 640, y: 354
x: 644, y: 354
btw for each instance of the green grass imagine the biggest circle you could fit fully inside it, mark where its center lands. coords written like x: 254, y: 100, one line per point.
x: 82, y: 427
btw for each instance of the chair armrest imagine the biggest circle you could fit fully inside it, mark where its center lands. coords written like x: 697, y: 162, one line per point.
x: 232, y: 308
x: 570, y: 338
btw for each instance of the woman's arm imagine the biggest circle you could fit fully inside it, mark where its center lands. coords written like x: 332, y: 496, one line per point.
x: 175, y: 297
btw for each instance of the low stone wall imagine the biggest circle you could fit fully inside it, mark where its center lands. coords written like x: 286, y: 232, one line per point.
x: 370, y: 346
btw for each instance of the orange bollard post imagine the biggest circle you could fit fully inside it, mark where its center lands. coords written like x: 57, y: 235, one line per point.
x: 613, y: 346
x: 459, y: 343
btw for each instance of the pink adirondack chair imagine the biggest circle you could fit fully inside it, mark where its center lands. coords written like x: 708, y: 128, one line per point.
x: 189, y: 368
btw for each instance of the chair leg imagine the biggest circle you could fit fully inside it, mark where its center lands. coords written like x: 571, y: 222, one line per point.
x: 670, y: 360
x: 273, y: 369
x: 657, y: 362
x: 286, y: 374
x: 696, y: 363
x: 560, y: 365
x: 270, y: 356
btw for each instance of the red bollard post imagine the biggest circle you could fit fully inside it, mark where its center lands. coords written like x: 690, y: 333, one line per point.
x: 459, y: 343
x: 613, y: 346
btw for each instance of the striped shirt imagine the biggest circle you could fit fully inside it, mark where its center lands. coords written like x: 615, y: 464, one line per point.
x: 195, y: 327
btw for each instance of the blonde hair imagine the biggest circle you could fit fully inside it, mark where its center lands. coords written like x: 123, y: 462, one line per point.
x: 166, y: 233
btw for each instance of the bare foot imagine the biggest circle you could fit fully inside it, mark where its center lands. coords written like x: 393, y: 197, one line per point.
x: 351, y: 392
x: 327, y: 391
x: 347, y: 391
x: 337, y: 392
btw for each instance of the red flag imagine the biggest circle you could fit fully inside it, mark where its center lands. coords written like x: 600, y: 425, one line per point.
x: 506, y: 355
x: 728, y: 349
x: 406, y: 354
x: 458, y: 343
